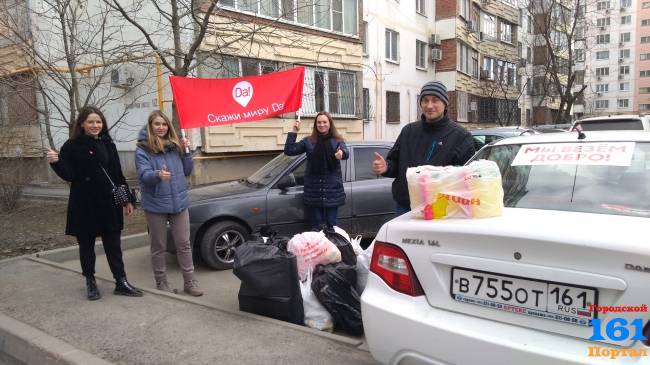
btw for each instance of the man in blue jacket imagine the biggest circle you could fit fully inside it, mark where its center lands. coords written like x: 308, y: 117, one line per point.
x: 433, y: 140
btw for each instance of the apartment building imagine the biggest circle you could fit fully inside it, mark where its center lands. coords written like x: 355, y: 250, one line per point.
x: 641, y: 77
x: 613, y: 43
x: 479, y: 60
x: 400, y: 54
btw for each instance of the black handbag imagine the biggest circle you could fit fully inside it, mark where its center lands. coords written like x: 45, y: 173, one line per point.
x: 121, y: 195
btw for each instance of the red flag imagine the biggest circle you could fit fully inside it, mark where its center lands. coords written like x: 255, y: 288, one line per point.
x: 215, y: 102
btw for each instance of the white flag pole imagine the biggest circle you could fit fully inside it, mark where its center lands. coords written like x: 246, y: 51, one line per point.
x: 299, y: 113
x: 187, y: 148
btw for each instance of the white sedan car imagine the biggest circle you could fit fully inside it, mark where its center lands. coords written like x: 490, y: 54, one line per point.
x: 562, y: 277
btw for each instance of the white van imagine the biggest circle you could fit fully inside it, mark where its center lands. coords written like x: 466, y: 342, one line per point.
x: 614, y: 122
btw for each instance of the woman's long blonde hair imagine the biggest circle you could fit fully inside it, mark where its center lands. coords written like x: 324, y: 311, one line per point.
x: 157, y: 144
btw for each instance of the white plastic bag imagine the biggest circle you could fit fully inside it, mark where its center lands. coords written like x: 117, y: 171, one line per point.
x: 356, y: 245
x: 363, y: 267
x: 316, y: 316
x: 311, y: 249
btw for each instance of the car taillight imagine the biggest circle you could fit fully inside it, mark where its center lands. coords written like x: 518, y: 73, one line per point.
x: 392, y: 265
x: 646, y: 333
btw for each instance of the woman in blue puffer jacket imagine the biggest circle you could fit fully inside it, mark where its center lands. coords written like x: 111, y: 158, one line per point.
x: 163, y: 164
x: 323, y: 189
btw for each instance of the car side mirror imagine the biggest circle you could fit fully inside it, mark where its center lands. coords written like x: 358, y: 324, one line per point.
x: 286, y: 181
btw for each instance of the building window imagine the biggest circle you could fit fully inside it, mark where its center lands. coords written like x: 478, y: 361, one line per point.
x: 529, y: 24
x: 602, y: 5
x: 338, y: 16
x: 364, y: 45
x: 392, y: 107
x: 624, y: 70
x: 467, y: 60
x: 624, y: 86
x: 462, y: 105
x: 420, y: 7
x: 580, y: 55
x: 488, y: 25
x: 644, y: 106
x: 644, y: 56
x: 627, y: 19
x: 602, y: 22
x: 645, y: 39
x: 602, y: 104
x: 645, y: 22
x: 529, y: 55
x: 366, y: 104
x: 625, y: 37
x: 602, y: 55
x: 602, y: 71
x: 624, y: 53
x: 329, y: 90
x: 392, y: 45
x: 626, y: 3
x: 644, y: 73
x: 644, y: 90
x: 420, y: 54
x: 488, y: 68
x: 602, y: 88
x: 646, y: 5
x: 602, y: 38
x: 463, y: 8
x: 506, y: 32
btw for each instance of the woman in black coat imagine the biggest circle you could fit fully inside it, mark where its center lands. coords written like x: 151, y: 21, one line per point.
x: 323, y: 189
x: 85, y: 161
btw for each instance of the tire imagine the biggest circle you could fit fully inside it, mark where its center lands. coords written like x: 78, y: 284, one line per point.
x: 218, y: 243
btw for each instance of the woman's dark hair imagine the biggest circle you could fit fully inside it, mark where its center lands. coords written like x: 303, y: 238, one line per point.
x: 313, y: 138
x: 82, y: 116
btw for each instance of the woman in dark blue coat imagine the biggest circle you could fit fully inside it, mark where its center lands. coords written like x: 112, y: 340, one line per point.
x: 323, y: 189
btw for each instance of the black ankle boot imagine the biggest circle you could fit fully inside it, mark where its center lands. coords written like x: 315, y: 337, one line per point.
x: 123, y: 287
x: 92, y: 290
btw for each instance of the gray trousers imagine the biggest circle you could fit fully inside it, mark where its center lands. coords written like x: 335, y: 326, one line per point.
x: 180, y: 227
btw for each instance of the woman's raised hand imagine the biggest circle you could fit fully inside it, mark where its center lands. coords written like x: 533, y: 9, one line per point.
x: 338, y: 154
x: 164, y: 174
x: 186, y: 143
x: 296, y: 126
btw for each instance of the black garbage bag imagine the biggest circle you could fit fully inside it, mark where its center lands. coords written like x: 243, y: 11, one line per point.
x: 335, y: 287
x: 347, y: 252
x: 269, y: 281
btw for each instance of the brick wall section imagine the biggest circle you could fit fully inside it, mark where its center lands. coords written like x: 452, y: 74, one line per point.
x: 448, y: 62
x: 445, y: 9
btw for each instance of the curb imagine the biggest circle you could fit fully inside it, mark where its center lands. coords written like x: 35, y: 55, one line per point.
x: 25, y: 344
x: 70, y: 253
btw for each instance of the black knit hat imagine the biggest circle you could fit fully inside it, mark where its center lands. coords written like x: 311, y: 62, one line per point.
x: 435, y: 88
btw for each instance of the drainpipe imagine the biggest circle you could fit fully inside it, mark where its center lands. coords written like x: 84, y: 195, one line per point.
x: 378, y: 101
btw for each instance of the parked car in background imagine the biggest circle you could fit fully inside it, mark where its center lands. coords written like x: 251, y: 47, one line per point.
x: 488, y: 135
x: 614, y: 122
x: 223, y: 215
x: 519, y: 288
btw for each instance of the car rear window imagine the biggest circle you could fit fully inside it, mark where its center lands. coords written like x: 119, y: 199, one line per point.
x: 605, y: 187
x: 612, y: 124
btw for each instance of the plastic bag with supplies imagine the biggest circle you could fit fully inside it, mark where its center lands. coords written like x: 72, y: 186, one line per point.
x: 472, y: 191
x: 316, y: 316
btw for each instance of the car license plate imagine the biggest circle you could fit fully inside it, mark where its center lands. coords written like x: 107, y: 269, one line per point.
x: 538, y: 298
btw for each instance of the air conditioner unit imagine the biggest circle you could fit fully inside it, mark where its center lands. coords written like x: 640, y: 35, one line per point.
x: 602, y: 28
x: 436, y: 54
x: 481, y: 36
x: 620, y: 60
x: 434, y: 40
x: 599, y: 78
x: 621, y: 77
x: 621, y: 43
x: 473, y: 106
x: 623, y: 10
x: 606, y: 11
x: 599, y: 94
x: 122, y: 77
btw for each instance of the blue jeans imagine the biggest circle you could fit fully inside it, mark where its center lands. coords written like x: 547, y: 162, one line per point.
x: 321, y: 215
x: 400, y: 209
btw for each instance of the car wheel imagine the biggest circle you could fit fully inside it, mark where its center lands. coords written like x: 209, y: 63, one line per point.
x: 219, y: 241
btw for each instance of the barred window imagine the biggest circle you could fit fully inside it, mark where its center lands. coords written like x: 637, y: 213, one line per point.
x: 329, y: 90
x: 602, y: 104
